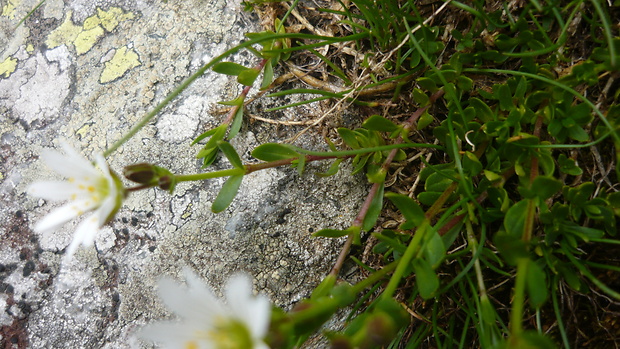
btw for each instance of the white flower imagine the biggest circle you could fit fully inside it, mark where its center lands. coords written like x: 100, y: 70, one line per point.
x: 207, y: 322
x: 88, y: 188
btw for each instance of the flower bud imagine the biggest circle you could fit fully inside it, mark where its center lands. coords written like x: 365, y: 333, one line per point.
x: 150, y: 175
x: 142, y: 173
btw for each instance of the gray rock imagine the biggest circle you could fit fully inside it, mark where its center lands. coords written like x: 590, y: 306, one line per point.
x: 86, y: 71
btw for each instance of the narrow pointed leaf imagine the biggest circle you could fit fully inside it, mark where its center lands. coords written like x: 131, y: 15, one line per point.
x: 227, y: 193
x: 236, y: 124
x: 374, y: 210
x: 229, y: 68
x: 231, y: 154
x: 267, y: 75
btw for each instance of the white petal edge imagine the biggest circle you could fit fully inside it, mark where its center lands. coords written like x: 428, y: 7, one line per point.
x: 69, y: 166
x: 84, y: 234
x: 253, y: 311
x: 62, y: 215
x: 52, y: 190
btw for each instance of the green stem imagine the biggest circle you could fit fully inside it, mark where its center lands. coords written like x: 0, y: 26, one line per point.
x: 518, y: 301
x: 405, y: 260
x: 185, y: 84
x: 329, y: 303
x: 209, y: 175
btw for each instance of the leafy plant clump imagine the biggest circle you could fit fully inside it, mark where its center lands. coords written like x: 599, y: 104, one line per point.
x: 491, y: 128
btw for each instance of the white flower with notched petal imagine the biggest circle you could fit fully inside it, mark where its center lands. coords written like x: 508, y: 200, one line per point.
x: 88, y: 188
x: 207, y: 322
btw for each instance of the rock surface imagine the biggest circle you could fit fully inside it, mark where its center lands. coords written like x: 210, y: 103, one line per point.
x: 85, y: 71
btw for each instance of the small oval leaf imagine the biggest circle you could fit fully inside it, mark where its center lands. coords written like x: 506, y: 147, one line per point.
x: 274, y: 152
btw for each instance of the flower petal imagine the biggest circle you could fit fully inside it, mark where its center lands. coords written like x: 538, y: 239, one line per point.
x: 52, y: 190
x: 251, y: 310
x: 105, y: 210
x: 62, y: 215
x: 71, y: 165
x: 198, y: 304
x: 170, y: 334
x: 84, y: 234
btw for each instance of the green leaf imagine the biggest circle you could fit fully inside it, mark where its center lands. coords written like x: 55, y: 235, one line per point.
x: 530, y: 340
x: 374, y: 210
x: 237, y: 101
x: 536, y: 285
x: 438, y: 181
x: 514, y: 222
x: 231, y: 154
x: 333, y: 169
x: 248, y: 76
x: 209, y: 133
x: 236, y: 124
x: 424, y: 120
x: 229, y: 68
x: 434, y: 250
x: 482, y: 109
x: 375, y: 173
x: 348, y: 137
x: 502, y: 93
x: 414, y: 215
x: 379, y: 123
x: 300, y: 164
x: 427, y: 84
x: 420, y: 97
x: 510, y: 247
x: 428, y: 198
x: 324, y: 288
x: 488, y: 313
x: 267, y: 75
x: 569, y: 166
x: 471, y: 164
x: 331, y: 233
x: 426, y: 278
x: 227, y: 193
x: 545, y: 187
x: 336, y: 233
x: 273, y: 152
x: 359, y: 161
x: 207, y: 156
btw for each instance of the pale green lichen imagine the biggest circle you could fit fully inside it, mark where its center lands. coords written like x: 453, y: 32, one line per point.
x: 87, y: 39
x: 9, y: 8
x: 110, y: 19
x: 124, y: 59
x: 93, y: 28
x: 8, y: 67
x: 64, y: 34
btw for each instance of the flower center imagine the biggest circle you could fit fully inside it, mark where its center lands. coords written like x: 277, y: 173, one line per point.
x: 230, y: 334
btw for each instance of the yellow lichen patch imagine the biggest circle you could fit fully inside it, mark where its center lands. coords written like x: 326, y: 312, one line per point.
x: 91, y: 22
x: 86, y: 36
x: 8, y: 9
x: 8, y: 67
x: 112, y: 17
x: 124, y: 59
x: 187, y: 212
x: 29, y: 48
x: 83, y: 131
x: 64, y: 34
x: 87, y: 39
